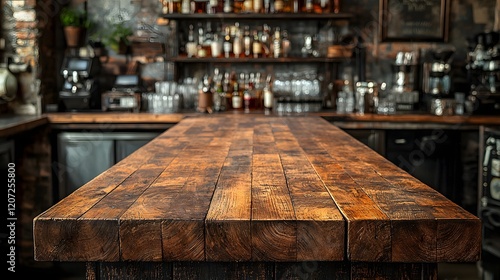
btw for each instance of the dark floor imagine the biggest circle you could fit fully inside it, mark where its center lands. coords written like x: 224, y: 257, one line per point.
x: 460, y: 271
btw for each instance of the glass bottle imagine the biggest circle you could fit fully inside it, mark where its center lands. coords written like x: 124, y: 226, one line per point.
x: 227, y: 45
x: 216, y: 46
x: 228, y: 6
x: 256, y: 45
x: 286, y: 45
x: 186, y: 7
x: 268, y: 95
x: 278, y: 6
x: 238, y: 6
x: 247, y: 6
x: 277, y: 43
x: 200, y: 6
x: 257, y: 6
x: 336, y: 6
x: 247, y: 41
x: 236, y: 99
x: 308, y: 6
x: 237, y: 48
x: 191, y: 45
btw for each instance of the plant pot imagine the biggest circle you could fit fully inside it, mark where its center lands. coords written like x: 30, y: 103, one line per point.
x: 74, y: 36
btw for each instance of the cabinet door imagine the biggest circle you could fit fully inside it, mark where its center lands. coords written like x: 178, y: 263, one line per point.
x: 126, y: 147
x: 81, y: 159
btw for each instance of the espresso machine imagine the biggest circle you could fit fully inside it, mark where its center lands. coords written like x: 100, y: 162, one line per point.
x: 436, y: 80
x: 483, y: 74
x: 80, y: 91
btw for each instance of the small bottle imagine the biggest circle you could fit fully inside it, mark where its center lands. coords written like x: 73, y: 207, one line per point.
x: 200, y: 6
x: 227, y: 45
x: 308, y: 6
x: 236, y: 99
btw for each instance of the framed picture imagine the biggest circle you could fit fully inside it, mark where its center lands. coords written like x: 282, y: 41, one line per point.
x: 414, y: 20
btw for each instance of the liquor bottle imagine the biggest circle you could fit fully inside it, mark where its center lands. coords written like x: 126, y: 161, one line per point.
x: 216, y: 46
x: 186, y: 7
x: 228, y: 6
x: 202, y: 50
x: 265, y: 39
x: 277, y: 43
x: 268, y: 7
x: 256, y: 45
x: 247, y: 6
x: 228, y: 90
x: 247, y: 94
x: 247, y: 41
x: 268, y: 95
x: 200, y: 6
x: 278, y: 6
x: 213, y: 7
x: 286, y: 45
x: 191, y: 46
x: 227, y: 45
x: 287, y: 6
x: 258, y: 6
x: 336, y: 6
x: 236, y: 99
x: 238, y: 6
x: 308, y: 6
x: 237, y: 46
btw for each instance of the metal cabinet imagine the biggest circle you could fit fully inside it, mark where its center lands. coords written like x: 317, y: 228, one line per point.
x: 84, y: 155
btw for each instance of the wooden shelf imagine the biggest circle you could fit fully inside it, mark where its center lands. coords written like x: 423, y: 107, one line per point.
x: 255, y: 16
x: 185, y: 59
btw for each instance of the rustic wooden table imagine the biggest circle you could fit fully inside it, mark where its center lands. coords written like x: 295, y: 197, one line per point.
x: 255, y: 197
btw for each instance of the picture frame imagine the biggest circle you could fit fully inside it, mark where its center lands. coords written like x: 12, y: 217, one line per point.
x: 414, y: 20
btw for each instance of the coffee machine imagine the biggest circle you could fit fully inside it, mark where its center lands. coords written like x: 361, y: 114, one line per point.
x: 80, y: 91
x: 483, y: 74
x: 437, y: 81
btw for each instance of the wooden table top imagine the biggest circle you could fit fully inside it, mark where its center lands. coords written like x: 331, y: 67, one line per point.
x: 255, y: 188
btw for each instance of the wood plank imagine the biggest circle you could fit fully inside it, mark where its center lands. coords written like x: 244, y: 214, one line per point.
x: 273, y: 227
x: 179, y: 200
x: 227, y: 234
x: 76, y: 228
x: 320, y: 225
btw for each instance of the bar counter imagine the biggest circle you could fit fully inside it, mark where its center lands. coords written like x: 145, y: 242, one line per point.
x: 255, y: 197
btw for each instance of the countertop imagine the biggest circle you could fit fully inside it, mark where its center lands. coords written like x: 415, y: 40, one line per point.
x: 13, y: 124
x: 256, y: 188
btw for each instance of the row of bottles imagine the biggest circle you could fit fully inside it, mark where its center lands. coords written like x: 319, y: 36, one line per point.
x: 235, y: 41
x: 234, y: 91
x: 249, y: 6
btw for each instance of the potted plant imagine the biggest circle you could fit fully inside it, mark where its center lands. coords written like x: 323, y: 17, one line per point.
x: 117, y: 39
x: 75, y: 24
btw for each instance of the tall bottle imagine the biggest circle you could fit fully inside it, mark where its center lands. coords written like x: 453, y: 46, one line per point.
x: 277, y: 43
x: 236, y: 99
x: 258, y: 6
x: 247, y: 41
x: 256, y: 45
x: 228, y: 6
x: 191, y: 45
x: 278, y: 6
x: 286, y: 45
x: 227, y: 45
x: 268, y: 95
x: 237, y: 44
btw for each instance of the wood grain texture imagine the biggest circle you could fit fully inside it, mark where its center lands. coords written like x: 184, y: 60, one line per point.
x: 247, y: 188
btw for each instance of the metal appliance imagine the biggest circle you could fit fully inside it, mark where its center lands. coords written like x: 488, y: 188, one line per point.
x: 489, y: 204
x: 483, y: 73
x: 436, y: 79
x: 125, y: 94
x: 404, y: 82
x: 80, y: 91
